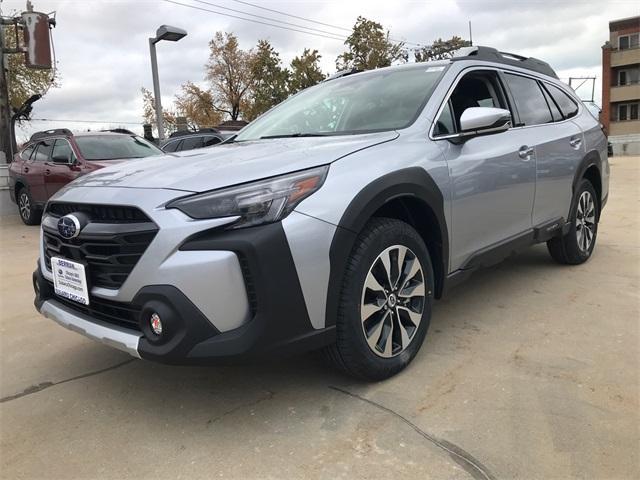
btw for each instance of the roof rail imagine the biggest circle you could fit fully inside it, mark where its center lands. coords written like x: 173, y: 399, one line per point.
x: 50, y: 133
x: 493, y: 55
x: 342, y: 73
x: 181, y: 133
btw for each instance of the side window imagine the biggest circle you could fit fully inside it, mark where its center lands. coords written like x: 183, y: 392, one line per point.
x: 555, y: 112
x: 445, y: 124
x: 568, y: 107
x: 529, y: 100
x: 475, y: 89
x: 171, y: 146
x: 43, y: 151
x: 210, y: 140
x: 62, y: 149
x: 191, y: 143
x: 26, y: 153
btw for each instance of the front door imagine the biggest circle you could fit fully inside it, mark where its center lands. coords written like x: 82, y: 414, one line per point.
x: 57, y: 174
x: 33, y: 171
x: 492, y: 177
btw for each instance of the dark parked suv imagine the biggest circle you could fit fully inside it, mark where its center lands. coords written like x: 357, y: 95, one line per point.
x: 181, y: 141
x: 53, y: 158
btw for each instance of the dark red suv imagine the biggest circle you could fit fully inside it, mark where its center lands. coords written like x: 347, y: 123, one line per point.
x: 53, y: 158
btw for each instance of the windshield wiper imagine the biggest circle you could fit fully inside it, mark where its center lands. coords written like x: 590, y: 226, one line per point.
x: 289, y: 135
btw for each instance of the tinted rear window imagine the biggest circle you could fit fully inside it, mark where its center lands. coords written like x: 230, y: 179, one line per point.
x: 568, y: 107
x: 530, y: 103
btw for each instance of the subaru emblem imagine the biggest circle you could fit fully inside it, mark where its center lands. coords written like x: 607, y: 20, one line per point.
x: 69, y: 226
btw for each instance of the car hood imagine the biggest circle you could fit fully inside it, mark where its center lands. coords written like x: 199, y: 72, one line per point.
x: 230, y: 164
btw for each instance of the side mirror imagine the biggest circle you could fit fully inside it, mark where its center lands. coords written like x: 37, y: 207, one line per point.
x: 61, y: 159
x: 484, y: 120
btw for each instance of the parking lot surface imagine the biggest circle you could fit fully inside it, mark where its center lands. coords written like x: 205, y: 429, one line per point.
x: 530, y: 370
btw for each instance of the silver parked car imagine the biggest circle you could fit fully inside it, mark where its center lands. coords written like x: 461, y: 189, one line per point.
x: 331, y: 222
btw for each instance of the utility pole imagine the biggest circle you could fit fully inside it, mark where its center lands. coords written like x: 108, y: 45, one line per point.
x: 5, y: 109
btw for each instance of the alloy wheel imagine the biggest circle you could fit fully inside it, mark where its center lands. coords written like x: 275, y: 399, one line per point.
x: 585, y: 221
x: 393, y: 300
x: 25, y: 206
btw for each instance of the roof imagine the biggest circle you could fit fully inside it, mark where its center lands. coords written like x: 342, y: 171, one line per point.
x: 65, y: 132
x: 628, y: 22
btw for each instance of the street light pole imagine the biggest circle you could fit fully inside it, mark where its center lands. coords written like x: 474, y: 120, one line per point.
x: 156, y: 88
x: 172, y: 34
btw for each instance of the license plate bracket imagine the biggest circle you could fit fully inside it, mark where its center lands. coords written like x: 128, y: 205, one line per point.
x: 70, y: 280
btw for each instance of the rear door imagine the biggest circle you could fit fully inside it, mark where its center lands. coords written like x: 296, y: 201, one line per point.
x: 557, y: 142
x: 33, y: 171
x: 57, y: 175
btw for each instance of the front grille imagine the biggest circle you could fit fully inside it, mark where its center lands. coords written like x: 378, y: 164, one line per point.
x: 116, y: 313
x: 99, y: 213
x: 109, y: 251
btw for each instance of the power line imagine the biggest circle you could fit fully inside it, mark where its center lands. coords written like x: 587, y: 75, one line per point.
x: 271, y: 19
x: 251, y: 20
x: 291, y: 15
x: 316, y: 21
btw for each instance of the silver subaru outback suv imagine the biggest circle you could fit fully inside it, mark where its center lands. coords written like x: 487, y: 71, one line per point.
x: 331, y: 222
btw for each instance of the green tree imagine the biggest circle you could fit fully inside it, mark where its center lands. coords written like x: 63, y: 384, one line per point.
x: 24, y: 82
x: 369, y: 47
x: 269, y: 80
x: 440, y: 49
x: 197, y: 106
x: 305, y: 71
x: 229, y: 72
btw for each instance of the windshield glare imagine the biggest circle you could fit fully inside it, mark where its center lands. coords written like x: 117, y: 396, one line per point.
x: 372, y: 101
x: 113, y: 147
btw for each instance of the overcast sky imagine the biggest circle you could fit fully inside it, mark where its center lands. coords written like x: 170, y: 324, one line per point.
x: 103, y: 56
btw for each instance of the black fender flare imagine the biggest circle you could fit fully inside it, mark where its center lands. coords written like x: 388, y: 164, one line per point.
x: 591, y: 159
x: 413, y: 182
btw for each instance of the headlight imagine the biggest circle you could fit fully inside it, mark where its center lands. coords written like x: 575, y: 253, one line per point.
x: 264, y: 201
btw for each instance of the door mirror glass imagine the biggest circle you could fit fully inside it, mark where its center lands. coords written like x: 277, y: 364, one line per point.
x: 61, y: 159
x: 484, y: 120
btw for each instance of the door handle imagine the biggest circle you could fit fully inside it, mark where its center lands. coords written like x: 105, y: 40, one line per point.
x: 47, y: 172
x: 526, y: 152
x: 26, y: 169
x: 575, y: 142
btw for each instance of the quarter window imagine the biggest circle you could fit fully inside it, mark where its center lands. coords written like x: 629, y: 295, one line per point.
x: 26, y: 153
x: 445, y: 124
x: 530, y: 103
x: 555, y: 111
x: 568, y: 107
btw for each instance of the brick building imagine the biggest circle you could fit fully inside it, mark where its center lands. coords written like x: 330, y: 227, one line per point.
x: 621, y: 86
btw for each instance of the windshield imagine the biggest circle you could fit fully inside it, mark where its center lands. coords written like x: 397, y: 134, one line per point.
x: 112, y: 147
x: 387, y: 99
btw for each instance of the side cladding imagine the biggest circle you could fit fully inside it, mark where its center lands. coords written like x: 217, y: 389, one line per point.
x: 408, y: 180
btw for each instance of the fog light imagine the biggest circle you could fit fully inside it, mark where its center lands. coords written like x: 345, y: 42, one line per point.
x: 156, y: 324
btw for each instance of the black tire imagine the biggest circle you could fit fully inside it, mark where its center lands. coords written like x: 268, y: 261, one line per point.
x: 351, y: 353
x: 29, y: 214
x: 568, y: 249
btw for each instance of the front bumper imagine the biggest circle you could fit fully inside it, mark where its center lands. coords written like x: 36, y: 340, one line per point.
x: 278, y: 321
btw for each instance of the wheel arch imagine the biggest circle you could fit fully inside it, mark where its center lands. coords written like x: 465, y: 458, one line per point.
x: 410, y: 195
x: 590, y: 169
